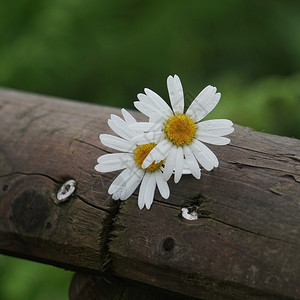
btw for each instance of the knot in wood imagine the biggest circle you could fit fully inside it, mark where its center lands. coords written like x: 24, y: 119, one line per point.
x: 190, y: 213
x: 166, y: 249
x: 30, y: 211
x: 168, y: 244
x: 65, y: 191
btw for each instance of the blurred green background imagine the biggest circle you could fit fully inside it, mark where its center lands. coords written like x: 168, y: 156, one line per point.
x: 23, y: 279
x: 107, y: 51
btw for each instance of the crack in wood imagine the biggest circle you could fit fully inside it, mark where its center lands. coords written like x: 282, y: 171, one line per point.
x: 108, y: 227
x: 295, y: 177
x: 238, y: 182
x: 241, y: 164
x: 247, y: 149
x: 55, y: 180
x: 92, y: 205
x: 249, y: 231
x: 166, y: 204
x: 89, y: 144
x: 27, y: 112
x: 272, y: 190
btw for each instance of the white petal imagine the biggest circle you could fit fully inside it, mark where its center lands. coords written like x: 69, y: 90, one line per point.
x: 143, y: 109
x: 215, y: 124
x: 122, y: 128
x: 216, y: 132
x: 202, y: 99
x: 116, y: 196
x: 149, y: 137
x: 191, y: 162
x: 156, y: 111
x: 129, y: 119
x: 150, y: 189
x: 116, y: 142
x: 113, y: 162
x: 157, y: 154
x: 119, y: 182
x: 131, y: 185
x: 170, y: 163
x: 218, y: 127
x: 125, y: 183
x: 213, y: 139
x: 142, y: 191
x: 186, y: 169
x: 162, y: 185
x: 158, y: 101
x: 145, y: 126
x: 204, y: 155
x: 178, y: 164
x: 202, y: 159
x: 119, y: 128
x: 119, y: 121
x: 159, y: 119
x: 204, y: 103
x: 176, y: 94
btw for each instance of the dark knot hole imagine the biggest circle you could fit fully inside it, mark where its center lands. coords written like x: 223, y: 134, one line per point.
x: 168, y: 244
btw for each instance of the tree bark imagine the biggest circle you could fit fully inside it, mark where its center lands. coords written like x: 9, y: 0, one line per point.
x: 245, y: 243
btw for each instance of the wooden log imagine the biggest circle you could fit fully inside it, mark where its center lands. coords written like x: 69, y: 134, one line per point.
x: 245, y: 243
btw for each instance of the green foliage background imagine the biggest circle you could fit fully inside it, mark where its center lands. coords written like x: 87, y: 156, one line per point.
x: 22, y: 279
x: 107, y: 51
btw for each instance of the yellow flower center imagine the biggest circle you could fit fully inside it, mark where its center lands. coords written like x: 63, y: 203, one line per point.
x: 180, y: 130
x: 141, y: 153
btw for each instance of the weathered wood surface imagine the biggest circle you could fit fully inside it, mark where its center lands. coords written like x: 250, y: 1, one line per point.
x: 245, y: 244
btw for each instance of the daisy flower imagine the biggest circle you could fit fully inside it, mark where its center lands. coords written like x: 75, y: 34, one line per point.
x: 130, y: 160
x: 180, y: 135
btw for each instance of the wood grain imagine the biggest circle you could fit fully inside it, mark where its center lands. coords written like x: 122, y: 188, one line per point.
x: 244, y: 245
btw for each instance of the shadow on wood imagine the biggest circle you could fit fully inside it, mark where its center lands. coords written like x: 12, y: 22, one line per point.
x: 108, y: 287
